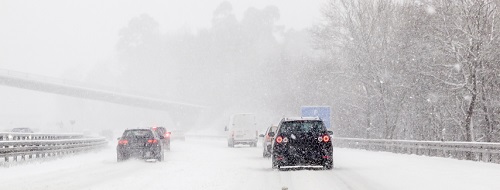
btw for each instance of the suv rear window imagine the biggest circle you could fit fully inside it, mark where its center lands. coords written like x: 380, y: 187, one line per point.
x: 138, y: 134
x: 302, y: 127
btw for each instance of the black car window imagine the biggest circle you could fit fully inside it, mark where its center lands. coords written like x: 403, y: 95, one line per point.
x: 302, y: 127
x: 160, y: 131
x: 138, y: 134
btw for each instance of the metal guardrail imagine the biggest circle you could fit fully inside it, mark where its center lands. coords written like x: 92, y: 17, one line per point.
x: 16, y: 147
x: 9, y: 136
x: 477, y: 151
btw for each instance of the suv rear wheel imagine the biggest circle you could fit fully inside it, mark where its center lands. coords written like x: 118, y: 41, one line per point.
x: 275, y: 163
x: 328, y: 165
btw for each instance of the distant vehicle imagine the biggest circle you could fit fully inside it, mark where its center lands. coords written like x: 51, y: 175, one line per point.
x: 161, y: 131
x: 22, y: 130
x: 268, y: 140
x: 242, y: 129
x: 139, y: 143
x: 302, y: 141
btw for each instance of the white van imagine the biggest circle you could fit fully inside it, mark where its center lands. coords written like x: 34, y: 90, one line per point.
x: 242, y: 129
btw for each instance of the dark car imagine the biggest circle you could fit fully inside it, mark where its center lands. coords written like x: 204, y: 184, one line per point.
x: 268, y: 140
x: 302, y: 141
x: 139, y: 143
x: 161, y: 131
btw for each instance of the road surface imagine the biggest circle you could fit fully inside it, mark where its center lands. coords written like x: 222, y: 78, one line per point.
x: 209, y: 164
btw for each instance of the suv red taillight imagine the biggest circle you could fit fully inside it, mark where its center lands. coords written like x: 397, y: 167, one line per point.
x: 152, y: 141
x: 326, y: 138
x: 123, y: 142
x: 279, y: 139
x: 167, y: 134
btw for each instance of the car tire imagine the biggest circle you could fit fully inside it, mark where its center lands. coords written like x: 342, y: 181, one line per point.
x: 268, y: 154
x: 161, y: 157
x: 120, y: 158
x: 275, y: 164
x: 328, y: 166
x: 230, y: 143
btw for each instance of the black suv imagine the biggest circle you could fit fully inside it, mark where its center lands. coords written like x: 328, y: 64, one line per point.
x: 139, y: 143
x: 161, y: 131
x: 302, y: 141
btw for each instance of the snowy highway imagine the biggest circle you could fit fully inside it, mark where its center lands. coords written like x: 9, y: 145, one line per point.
x: 415, y: 77
x: 210, y: 164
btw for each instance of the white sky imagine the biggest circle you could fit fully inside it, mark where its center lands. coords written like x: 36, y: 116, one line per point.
x: 51, y: 36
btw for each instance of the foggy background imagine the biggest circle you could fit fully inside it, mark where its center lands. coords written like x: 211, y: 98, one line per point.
x: 229, y: 56
x: 418, y: 70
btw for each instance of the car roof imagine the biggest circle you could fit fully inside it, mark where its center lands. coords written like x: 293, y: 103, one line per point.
x: 140, y: 129
x: 301, y: 119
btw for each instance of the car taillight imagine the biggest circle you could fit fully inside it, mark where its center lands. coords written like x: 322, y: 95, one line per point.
x: 326, y: 138
x: 279, y: 139
x: 152, y: 141
x: 123, y: 142
x: 167, y: 134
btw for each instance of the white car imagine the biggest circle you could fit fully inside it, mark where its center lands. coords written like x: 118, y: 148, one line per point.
x: 268, y: 140
x: 242, y: 129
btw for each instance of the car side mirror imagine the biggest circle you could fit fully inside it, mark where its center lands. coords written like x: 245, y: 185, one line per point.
x: 261, y: 135
x: 271, y: 134
x: 330, y: 132
x: 119, y: 138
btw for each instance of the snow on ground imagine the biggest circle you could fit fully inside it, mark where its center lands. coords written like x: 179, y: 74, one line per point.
x: 210, y: 164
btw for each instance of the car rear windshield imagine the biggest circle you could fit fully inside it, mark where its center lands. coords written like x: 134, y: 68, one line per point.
x: 137, y: 134
x: 302, y: 127
x: 160, y: 130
